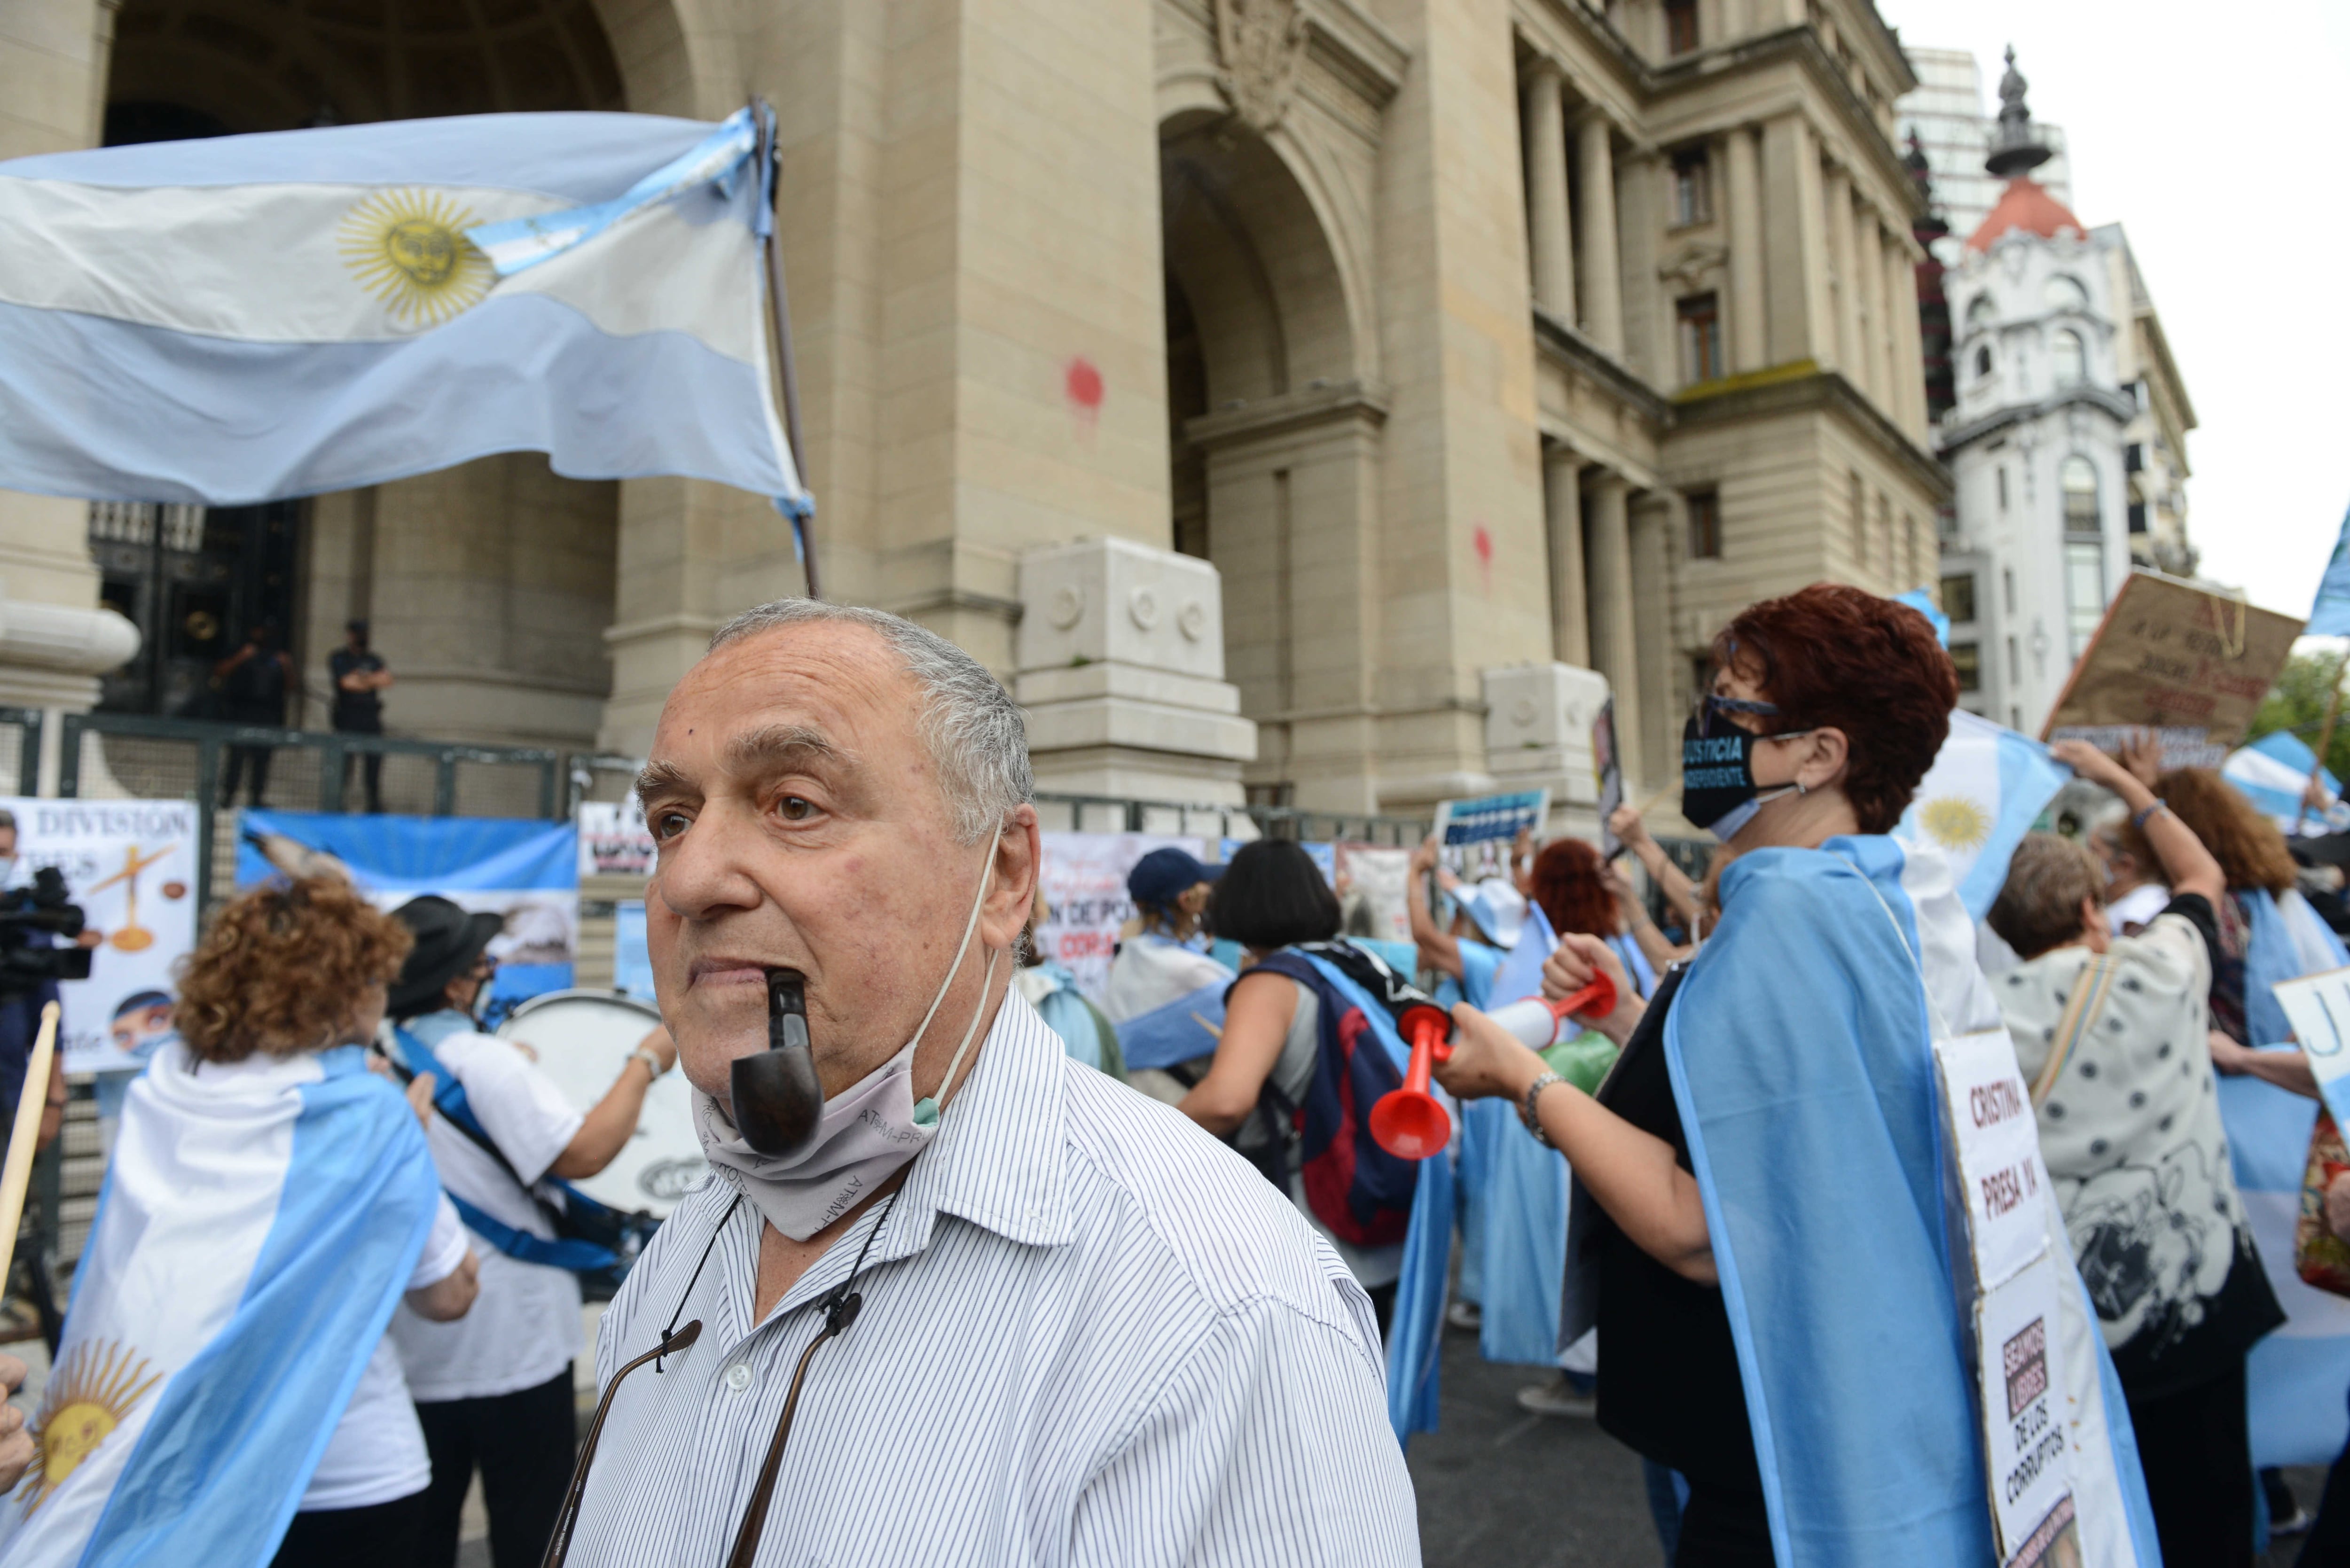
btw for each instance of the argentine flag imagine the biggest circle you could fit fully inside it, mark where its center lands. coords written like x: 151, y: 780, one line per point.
x: 254, y: 317
x: 2271, y: 773
x: 1986, y: 788
x: 259, y: 1221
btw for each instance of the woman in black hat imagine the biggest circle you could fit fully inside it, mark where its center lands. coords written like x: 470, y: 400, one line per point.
x: 498, y: 1392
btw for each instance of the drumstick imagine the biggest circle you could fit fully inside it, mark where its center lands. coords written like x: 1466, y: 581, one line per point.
x: 17, y: 1173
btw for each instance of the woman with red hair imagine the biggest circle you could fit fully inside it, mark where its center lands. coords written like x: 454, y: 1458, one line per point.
x: 1758, y: 1227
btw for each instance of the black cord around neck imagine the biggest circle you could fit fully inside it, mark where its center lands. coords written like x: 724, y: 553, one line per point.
x: 687, y: 1294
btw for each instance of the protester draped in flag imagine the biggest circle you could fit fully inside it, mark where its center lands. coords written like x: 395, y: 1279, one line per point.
x: 2111, y: 1033
x: 1759, y: 1228
x: 225, y: 1392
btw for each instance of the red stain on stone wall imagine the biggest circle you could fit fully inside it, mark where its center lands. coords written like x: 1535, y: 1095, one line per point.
x: 1082, y: 383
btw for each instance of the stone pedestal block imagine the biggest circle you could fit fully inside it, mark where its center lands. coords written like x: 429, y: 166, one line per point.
x: 1538, y: 720
x: 1120, y: 657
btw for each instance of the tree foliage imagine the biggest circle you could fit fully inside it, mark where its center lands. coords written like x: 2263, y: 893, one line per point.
x: 2297, y: 702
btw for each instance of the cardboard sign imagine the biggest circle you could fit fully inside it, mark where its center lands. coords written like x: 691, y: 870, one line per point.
x: 2027, y: 1450
x: 2175, y: 657
x: 1996, y: 1140
x: 2318, y: 1006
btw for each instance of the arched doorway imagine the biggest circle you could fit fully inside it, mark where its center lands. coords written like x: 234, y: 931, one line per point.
x: 488, y: 587
x: 1273, y: 448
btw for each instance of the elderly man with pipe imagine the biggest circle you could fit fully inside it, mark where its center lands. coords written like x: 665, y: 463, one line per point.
x: 949, y: 1295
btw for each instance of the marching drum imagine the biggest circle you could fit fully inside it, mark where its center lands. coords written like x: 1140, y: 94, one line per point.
x: 582, y: 1039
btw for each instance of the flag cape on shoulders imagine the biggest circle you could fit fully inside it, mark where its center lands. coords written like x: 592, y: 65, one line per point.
x: 1800, y: 1051
x: 248, y: 318
x: 258, y: 1224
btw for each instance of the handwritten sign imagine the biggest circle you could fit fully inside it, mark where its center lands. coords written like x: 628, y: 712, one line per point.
x: 2028, y: 1451
x: 2175, y: 657
x: 1996, y: 1139
x: 2318, y: 1008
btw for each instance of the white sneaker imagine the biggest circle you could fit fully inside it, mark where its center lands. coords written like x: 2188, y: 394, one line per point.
x: 1558, y: 1398
x: 1466, y: 1316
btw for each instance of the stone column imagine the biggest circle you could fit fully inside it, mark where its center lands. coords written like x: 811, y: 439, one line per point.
x: 1876, y: 375
x: 1901, y: 277
x: 1797, y: 242
x: 1546, y: 209
x: 1603, y: 298
x: 1896, y: 333
x: 1749, y: 347
x: 1848, y: 275
x: 1652, y: 524
x: 1570, y: 623
x: 1614, y: 643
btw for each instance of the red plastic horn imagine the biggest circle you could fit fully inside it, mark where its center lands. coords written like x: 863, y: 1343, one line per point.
x: 1596, y: 1000
x: 1408, y: 1122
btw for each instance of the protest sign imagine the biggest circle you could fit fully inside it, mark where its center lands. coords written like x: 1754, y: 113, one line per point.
x: 1610, y: 771
x: 2176, y: 658
x: 614, y: 840
x: 1084, y: 877
x: 2028, y: 1451
x: 527, y: 871
x: 1370, y: 882
x: 131, y: 866
x: 2318, y: 1007
x: 1475, y: 837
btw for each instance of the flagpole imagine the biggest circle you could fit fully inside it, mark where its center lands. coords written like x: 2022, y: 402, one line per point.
x: 16, y: 1173
x: 2325, y: 736
x: 779, y: 327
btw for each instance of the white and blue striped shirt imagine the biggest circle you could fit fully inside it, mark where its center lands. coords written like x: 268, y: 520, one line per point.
x: 1090, y: 1335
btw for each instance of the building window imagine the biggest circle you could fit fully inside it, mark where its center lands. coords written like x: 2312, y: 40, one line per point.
x: 1958, y: 596
x: 1681, y: 26
x: 1982, y: 363
x: 1692, y: 187
x: 2063, y: 293
x: 2133, y: 458
x: 2079, y: 478
x: 2071, y: 361
x: 2002, y: 471
x: 2007, y: 589
x: 2138, y: 517
x: 1700, y: 318
x: 2014, y: 667
x: 1980, y: 313
x: 1705, y: 526
x: 1968, y: 659
x: 2085, y: 590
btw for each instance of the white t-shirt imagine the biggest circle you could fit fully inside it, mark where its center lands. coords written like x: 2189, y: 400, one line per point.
x: 1150, y: 971
x: 377, y: 1453
x: 524, y: 1326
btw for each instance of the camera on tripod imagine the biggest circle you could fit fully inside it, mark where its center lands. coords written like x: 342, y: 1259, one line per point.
x: 45, y: 907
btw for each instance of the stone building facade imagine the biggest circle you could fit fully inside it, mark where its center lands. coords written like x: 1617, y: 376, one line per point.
x: 1454, y: 335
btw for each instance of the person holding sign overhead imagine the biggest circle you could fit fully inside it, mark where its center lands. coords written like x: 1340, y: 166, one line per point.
x: 2110, y: 1032
x: 1758, y: 1226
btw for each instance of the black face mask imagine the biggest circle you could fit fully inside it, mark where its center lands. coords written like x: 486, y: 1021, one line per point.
x: 1718, y: 787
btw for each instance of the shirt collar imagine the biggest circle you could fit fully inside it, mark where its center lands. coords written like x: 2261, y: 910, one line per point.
x: 999, y: 1161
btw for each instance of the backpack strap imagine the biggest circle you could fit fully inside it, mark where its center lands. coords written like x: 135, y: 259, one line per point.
x: 2081, y: 1010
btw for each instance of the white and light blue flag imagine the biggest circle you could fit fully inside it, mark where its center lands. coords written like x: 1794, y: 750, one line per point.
x: 253, y: 318
x: 1986, y: 788
x: 2273, y: 771
x: 258, y: 1224
x: 2330, y: 615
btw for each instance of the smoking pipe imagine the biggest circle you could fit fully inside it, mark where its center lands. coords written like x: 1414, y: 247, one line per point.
x: 778, y: 1098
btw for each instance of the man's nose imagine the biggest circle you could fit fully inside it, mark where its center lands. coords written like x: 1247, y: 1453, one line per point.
x: 701, y: 872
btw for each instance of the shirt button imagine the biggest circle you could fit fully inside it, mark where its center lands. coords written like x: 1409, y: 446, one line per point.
x: 738, y: 1376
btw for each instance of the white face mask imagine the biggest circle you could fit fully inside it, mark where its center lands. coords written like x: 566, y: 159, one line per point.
x: 866, y: 1132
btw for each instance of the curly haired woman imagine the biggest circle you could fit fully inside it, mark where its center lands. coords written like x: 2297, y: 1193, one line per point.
x: 269, y: 1202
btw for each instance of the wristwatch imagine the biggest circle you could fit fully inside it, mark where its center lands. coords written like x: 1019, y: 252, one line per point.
x: 1526, y: 1107
x: 653, y: 1068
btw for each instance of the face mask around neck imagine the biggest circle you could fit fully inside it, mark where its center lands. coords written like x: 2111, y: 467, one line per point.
x: 862, y: 1135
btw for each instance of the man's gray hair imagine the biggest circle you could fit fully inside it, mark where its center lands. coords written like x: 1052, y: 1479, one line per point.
x: 973, y: 730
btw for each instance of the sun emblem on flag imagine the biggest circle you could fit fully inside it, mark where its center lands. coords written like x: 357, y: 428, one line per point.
x: 409, y: 249
x: 1955, y: 823
x: 87, y: 1398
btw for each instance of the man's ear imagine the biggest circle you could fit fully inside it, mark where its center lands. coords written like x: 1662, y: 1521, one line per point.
x: 1018, y: 864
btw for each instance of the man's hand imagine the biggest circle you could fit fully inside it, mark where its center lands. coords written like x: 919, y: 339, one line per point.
x: 1627, y: 823
x: 16, y: 1452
